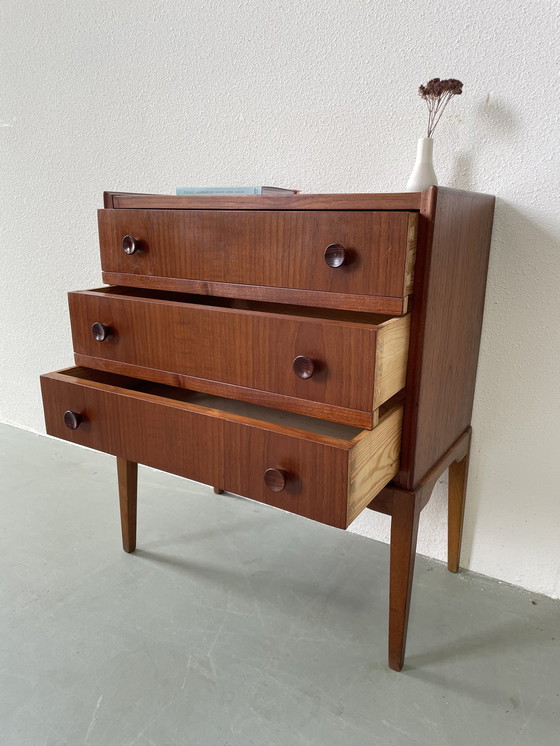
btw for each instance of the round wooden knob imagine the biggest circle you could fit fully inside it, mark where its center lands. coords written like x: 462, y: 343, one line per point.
x: 130, y: 244
x: 335, y: 254
x: 303, y: 366
x: 275, y: 479
x: 72, y: 419
x: 100, y: 332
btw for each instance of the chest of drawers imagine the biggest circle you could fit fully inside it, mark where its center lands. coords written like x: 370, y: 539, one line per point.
x: 314, y: 352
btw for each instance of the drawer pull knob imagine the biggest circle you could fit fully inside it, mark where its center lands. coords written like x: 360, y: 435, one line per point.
x: 275, y: 479
x: 100, y: 332
x: 335, y: 255
x: 303, y: 366
x: 72, y: 419
x: 130, y: 244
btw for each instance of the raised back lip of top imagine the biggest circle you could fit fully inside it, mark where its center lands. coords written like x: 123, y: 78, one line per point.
x: 405, y: 201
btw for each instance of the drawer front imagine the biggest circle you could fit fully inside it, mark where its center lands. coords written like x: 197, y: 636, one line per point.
x: 220, y: 448
x: 315, y: 366
x: 278, y: 249
x: 209, y: 449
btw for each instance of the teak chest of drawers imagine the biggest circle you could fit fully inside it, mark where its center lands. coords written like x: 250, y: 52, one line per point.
x: 314, y: 352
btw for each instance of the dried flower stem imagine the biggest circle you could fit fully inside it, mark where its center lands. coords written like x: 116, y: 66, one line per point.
x: 438, y: 111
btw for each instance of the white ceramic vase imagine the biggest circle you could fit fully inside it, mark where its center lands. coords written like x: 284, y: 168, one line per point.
x: 423, y: 174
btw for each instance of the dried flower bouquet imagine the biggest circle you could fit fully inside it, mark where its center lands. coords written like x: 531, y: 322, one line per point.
x: 437, y: 94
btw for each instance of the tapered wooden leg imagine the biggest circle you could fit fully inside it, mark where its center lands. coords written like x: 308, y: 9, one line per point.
x: 218, y: 491
x: 127, y: 472
x: 458, y: 472
x: 406, y: 507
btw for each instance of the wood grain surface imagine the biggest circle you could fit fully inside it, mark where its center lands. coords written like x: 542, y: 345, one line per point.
x: 395, y: 201
x: 250, y: 352
x: 127, y: 475
x: 255, y: 252
x: 404, y: 506
x: 374, y: 461
x: 446, y: 322
x: 264, y: 248
x: 203, y: 443
x: 367, y: 303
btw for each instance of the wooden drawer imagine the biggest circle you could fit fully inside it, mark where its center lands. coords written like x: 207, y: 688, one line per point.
x: 331, y: 471
x: 267, y: 254
x: 337, y: 365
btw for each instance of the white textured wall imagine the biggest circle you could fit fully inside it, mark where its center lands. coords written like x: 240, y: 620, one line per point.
x: 320, y: 95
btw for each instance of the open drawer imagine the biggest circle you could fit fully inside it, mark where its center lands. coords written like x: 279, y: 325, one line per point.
x: 337, y: 365
x: 359, y: 260
x: 321, y: 470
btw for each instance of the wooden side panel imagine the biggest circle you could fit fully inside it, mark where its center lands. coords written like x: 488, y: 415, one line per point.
x: 253, y: 350
x: 374, y: 461
x: 452, y: 263
x: 264, y: 248
x: 391, y: 359
x: 204, y: 446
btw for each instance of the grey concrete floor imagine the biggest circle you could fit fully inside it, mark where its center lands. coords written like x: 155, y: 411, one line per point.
x: 236, y: 624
